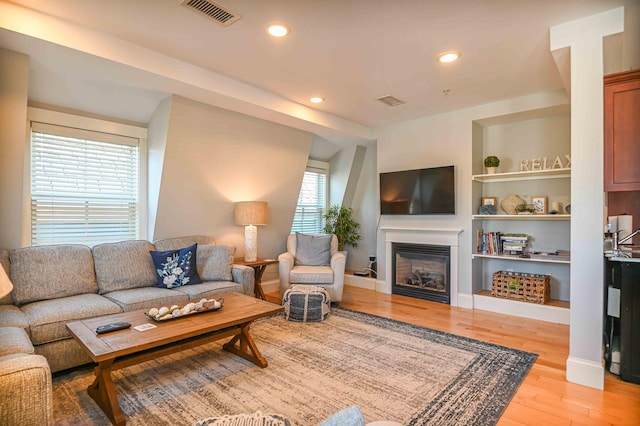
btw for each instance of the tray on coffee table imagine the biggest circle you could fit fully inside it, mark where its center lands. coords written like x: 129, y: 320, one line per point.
x: 204, y: 305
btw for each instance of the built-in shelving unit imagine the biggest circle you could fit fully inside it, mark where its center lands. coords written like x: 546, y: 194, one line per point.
x: 522, y: 216
x: 545, y: 137
x: 533, y: 258
x: 524, y: 175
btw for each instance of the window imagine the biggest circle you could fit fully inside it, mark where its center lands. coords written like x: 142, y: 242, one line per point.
x: 85, y: 186
x: 312, y: 201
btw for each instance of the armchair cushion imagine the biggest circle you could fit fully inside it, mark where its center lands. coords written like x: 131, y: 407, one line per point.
x: 313, y: 250
x: 311, y: 275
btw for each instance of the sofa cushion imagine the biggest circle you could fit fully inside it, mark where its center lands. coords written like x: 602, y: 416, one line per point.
x: 178, y: 242
x: 6, y: 264
x: 124, y: 265
x: 146, y: 298
x: 311, y: 275
x: 313, y: 250
x: 49, y: 317
x: 215, y: 262
x: 210, y: 289
x: 175, y: 268
x: 12, y: 316
x: 14, y: 341
x: 51, y: 272
x: 63, y: 354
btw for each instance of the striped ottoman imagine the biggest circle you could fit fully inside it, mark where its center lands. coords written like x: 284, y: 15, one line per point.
x: 306, y: 303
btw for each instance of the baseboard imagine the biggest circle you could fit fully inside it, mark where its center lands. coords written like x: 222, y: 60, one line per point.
x: 535, y: 311
x: 465, y: 300
x: 361, y: 282
x: 586, y: 373
x: 270, y: 286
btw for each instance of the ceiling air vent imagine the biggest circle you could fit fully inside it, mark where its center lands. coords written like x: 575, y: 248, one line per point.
x: 390, y: 100
x: 215, y: 11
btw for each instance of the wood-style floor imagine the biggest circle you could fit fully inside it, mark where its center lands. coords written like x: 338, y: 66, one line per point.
x: 545, y: 397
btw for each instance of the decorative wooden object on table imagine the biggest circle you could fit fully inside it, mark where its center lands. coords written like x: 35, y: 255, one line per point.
x: 258, y: 266
x: 119, y: 349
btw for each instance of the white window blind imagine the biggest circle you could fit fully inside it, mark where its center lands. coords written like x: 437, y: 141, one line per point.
x: 312, y: 202
x: 84, y: 186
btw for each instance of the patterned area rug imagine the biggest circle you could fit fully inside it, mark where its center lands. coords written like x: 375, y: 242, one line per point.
x: 391, y: 370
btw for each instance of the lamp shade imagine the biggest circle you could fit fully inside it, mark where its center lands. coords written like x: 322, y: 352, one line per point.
x: 251, y: 213
x: 5, y: 283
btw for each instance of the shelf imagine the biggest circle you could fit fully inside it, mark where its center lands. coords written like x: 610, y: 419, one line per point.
x: 528, y: 175
x: 555, y: 311
x: 521, y: 217
x: 538, y: 258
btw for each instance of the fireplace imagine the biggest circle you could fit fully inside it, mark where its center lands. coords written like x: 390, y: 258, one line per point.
x: 422, y: 271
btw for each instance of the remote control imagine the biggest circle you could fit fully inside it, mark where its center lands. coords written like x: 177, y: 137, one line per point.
x: 112, y: 327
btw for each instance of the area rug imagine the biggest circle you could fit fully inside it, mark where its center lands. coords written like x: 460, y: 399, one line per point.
x: 391, y: 370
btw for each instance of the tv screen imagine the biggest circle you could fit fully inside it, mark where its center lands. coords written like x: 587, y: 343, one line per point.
x: 421, y: 191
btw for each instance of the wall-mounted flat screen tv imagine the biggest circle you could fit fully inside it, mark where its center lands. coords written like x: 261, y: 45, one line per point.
x: 418, y: 192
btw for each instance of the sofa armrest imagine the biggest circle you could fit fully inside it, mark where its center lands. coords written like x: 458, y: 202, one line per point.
x: 285, y: 264
x: 338, y: 264
x: 26, y: 394
x: 244, y: 275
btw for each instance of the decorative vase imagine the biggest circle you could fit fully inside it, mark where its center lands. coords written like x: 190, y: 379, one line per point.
x: 491, y: 170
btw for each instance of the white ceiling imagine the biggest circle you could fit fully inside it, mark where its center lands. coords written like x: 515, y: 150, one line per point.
x: 348, y: 51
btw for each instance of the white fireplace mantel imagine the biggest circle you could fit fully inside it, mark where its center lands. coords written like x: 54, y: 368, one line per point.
x: 422, y: 235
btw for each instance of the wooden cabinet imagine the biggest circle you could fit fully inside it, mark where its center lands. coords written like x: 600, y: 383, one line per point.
x: 622, y: 131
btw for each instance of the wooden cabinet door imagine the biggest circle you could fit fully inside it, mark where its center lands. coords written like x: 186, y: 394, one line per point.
x: 622, y: 131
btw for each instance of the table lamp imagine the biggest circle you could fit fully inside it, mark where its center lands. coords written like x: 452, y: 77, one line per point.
x: 5, y: 283
x: 249, y: 214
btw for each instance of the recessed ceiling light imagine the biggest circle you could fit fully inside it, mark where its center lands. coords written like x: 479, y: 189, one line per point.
x: 447, y: 57
x: 317, y: 100
x: 278, y: 30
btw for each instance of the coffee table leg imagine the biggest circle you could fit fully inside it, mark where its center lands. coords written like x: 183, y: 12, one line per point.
x: 103, y: 393
x: 246, y: 347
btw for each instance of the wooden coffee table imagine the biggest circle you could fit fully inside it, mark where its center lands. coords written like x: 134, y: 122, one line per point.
x: 123, y: 348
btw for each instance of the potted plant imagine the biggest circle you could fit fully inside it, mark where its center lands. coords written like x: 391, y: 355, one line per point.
x: 340, y: 222
x: 525, y: 209
x: 491, y: 163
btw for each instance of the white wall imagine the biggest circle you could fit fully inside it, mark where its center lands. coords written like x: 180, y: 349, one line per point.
x: 156, y: 143
x: 213, y: 158
x: 14, y: 89
x: 366, y: 211
x: 584, y: 38
x: 442, y: 140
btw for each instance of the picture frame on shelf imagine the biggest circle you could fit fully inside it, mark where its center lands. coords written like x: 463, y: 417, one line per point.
x: 539, y: 204
x: 489, y: 201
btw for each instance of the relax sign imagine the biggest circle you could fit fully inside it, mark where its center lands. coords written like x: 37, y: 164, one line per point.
x: 544, y: 163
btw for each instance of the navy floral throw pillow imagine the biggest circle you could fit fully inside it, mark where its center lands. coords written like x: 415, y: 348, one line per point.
x: 176, y: 268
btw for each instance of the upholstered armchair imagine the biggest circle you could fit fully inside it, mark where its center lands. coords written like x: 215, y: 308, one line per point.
x: 313, y: 259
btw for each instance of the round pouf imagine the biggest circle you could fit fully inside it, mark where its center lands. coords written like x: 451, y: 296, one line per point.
x: 306, y: 303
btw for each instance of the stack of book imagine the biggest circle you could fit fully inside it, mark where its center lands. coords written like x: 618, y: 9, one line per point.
x: 488, y: 243
x: 514, y: 243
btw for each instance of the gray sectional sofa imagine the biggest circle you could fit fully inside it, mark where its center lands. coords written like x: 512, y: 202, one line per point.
x: 57, y: 284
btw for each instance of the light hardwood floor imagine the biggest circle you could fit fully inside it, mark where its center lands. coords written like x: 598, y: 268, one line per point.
x: 545, y: 397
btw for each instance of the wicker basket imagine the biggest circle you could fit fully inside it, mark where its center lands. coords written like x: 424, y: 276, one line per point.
x: 521, y: 286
